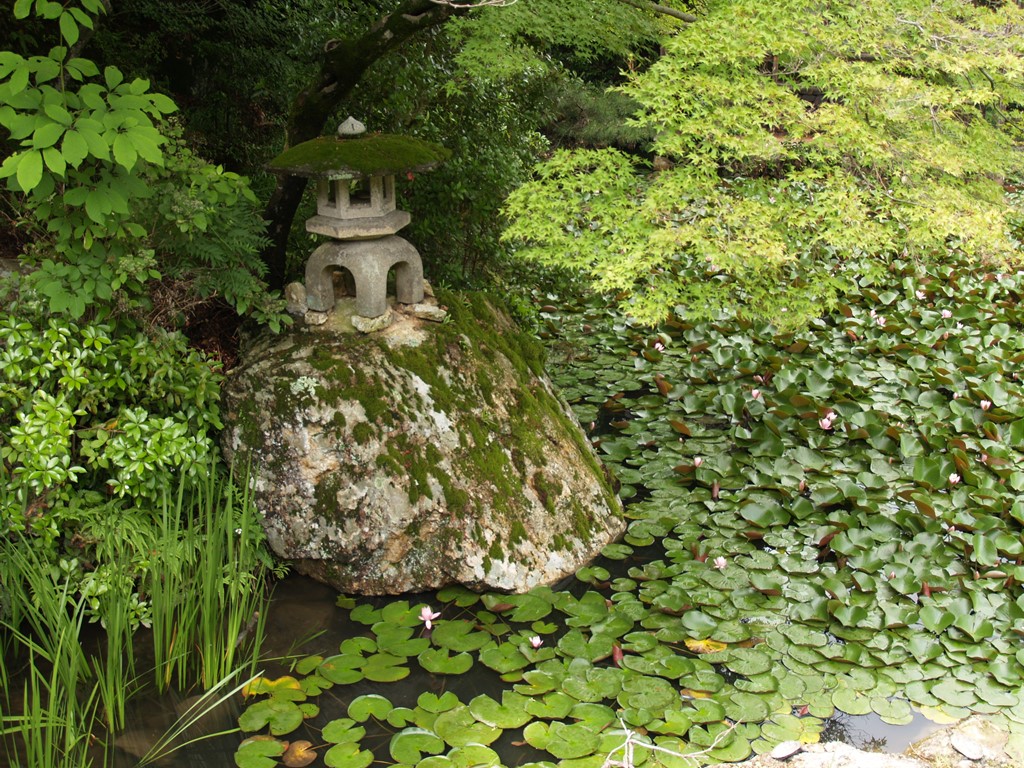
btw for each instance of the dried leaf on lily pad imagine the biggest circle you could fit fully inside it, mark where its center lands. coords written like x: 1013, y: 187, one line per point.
x: 299, y: 754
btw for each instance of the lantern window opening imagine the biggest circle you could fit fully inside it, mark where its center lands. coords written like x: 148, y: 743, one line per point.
x: 360, y: 193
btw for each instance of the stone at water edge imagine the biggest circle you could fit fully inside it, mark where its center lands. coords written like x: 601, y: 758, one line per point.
x: 422, y: 455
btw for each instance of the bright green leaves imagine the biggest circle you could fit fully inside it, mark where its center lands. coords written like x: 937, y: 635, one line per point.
x: 797, y: 144
x: 280, y: 716
x: 259, y: 752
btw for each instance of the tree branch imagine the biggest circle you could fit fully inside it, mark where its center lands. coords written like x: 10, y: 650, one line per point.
x: 664, y: 10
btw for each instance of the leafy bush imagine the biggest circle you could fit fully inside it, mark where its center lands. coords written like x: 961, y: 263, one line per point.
x: 119, y: 199
x: 95, y: 414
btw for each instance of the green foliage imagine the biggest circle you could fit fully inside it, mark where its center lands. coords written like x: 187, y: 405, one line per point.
x: 518, y: 38
x: 118, y: 201
x: 805, y: 141
x: 207, y: 233
x: 488, y: 124
x: 92, y: 413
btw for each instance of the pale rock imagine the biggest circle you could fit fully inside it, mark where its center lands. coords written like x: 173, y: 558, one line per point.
x: 420, y: 456
x: 373, y: 324
x: 430, y: 312
x: 295, y: 298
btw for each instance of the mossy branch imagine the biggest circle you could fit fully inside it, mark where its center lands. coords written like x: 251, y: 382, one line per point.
x: 664, y: 10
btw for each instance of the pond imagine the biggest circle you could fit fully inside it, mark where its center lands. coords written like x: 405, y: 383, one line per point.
x: 824, y: 526
x: 304, y: 616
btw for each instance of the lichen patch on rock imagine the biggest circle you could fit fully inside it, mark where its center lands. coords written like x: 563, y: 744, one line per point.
x: 423, y: 455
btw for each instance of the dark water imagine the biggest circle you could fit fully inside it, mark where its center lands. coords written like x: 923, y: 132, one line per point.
x: 303, y: 619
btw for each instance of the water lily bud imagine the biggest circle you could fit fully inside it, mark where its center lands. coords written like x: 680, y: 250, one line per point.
x: 986, y: 404
x: 536, y: 642
x: 954, y: 478
x: 697, y: 461
x: 755, y: 393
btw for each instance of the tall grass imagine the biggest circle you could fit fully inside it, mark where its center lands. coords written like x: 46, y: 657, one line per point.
x: 208, y: 597
x: 200, y: 565
x: 54, y: 724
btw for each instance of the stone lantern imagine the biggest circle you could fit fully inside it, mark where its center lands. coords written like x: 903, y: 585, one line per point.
x: 355, y: 175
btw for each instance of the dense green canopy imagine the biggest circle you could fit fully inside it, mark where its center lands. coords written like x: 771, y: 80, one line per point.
x: 801, y: 143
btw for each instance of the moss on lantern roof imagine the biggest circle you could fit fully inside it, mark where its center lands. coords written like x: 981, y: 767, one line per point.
x: 330, y: 157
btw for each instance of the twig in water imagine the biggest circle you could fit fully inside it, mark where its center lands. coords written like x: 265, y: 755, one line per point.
x: 632, y: 739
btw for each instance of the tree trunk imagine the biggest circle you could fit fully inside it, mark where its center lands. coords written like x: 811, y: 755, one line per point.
x: 342, y: 66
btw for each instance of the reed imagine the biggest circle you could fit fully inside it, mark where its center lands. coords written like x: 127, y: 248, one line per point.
x: 172, y: 740
x: 57, y: 707
x: 207, y: 601
x: 199, y: 564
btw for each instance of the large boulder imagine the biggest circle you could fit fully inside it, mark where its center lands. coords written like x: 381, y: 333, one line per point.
x: 418, y: 456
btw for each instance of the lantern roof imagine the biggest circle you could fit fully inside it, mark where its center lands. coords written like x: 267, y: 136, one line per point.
x: 381, y: 154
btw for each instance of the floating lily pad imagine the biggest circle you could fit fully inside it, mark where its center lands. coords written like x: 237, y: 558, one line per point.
x: 459, y: 635
x: 259, y: 752
x: 892, y: 711
x: 510, y: 713
x: 472, y: 756
x: 281, y: 716
x: 458, y: 728
x: 439, y: 662
x: 385, y: 668
x: 347, y: 755
x: 410, y: 744
x: 562, y: 740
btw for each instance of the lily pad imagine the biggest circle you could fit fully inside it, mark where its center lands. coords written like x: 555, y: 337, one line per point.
x: 259, y: 752
x: 510, y: 713
x: 439, y: 661
x: 562, y: 740
x: 362, y: 708
x: 410, y: 744
x: 458, y: 728
x: 279, y: 715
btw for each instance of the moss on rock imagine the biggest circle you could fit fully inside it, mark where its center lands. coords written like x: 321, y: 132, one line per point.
x: 451, y: 433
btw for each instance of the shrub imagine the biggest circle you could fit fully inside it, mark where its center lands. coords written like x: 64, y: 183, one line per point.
x: 95, y: 413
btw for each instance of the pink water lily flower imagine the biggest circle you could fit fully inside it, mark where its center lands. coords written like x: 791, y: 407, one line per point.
x: 954, y: 478
x: 697, y: 461
x: 536, y: 642
x: 920, y: 295
x: 427, y: 616
x: 946, y: 314
x: 755, y: 393
x: 985, y: 404
x: 720, y: 562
